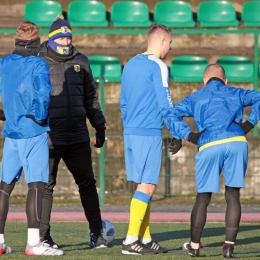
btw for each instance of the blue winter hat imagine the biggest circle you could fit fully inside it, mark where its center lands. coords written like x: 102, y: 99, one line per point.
x: 60, y: 28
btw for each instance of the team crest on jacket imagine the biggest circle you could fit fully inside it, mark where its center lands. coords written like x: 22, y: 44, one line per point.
x: 77, y: 68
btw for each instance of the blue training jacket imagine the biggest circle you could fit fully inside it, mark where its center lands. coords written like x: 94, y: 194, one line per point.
x: 145, y: 96
x: 25, y: 89
x: 214, y: 107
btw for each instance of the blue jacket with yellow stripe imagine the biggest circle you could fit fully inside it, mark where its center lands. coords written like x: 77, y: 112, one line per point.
x: 215, y: 107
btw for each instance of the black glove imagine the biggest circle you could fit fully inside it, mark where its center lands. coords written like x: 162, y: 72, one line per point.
x: 2, y: 115
x: 44, y: 122
x: 100, y: 136
x: 175, y: 146
x: 194, y: 137
x: 246, y: 126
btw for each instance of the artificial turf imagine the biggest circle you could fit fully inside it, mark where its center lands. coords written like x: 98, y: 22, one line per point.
x: 72, y: 238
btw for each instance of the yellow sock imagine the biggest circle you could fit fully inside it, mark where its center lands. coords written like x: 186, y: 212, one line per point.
x: 145, y: 227
x: 138, y: 209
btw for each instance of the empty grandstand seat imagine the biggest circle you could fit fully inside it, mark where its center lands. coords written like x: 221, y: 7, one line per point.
x: 42, y: 13
x: 250, y: 13
x: 174, y: 14
x: 130, y: 14
x: 188, y: 68
x: 108, y: 67
x: 87, y: 14
x: 217, y: 14
x: 237, y: 68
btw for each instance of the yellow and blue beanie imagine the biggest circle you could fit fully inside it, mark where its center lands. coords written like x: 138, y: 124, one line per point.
x: 60, y: 28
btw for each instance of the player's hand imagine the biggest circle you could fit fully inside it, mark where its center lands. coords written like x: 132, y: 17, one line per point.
x: 175, y: 146
x: 43, y: 122
x: 194, y: 137
x: 246, y: 126
x: 2, y: 115
x: 100, y: 136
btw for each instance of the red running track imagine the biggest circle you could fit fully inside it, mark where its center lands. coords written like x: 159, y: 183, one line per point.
x: 124, y: 217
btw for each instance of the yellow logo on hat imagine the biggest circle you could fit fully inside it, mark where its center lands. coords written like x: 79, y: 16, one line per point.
x: 77, y: 68
x: 64, y: 29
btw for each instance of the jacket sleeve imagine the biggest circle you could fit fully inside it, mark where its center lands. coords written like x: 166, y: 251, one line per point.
x: 174, y: 119
x: 161, y: 88
x: 172, y: 115
x: 123, y: 101
x: 252, y: 98
x: 42, y: 86
x: 91, y: 103
x: 1, y: 83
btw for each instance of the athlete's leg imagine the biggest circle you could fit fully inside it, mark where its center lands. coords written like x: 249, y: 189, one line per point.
x: 5, y: 191
x: 145, y: 234
x: 138, y: 209
x: 33, y: 211
x: 55, y: 154
x: 233, y: 213
x: 79, y: 162
x: 198, y: 217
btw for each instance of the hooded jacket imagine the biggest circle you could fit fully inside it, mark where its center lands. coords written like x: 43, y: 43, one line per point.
x: 25, y: 89
x: 74, y: 97
x: 215, y: 107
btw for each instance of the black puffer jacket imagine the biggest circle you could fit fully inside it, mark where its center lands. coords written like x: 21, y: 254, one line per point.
x: 73, y: 98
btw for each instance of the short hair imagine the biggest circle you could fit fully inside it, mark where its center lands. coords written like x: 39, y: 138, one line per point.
x: 27, y: 31
x: 215, y: 70
x: 156, y: 27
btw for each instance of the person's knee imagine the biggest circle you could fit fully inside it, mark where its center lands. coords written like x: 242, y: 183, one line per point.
x: 7, y: 188
x: 204, y: 197
x: 36, y: 185
x: 235, y: 192
x: 146, y: 188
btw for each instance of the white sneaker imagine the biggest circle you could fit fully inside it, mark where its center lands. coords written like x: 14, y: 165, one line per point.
x: 4, y: 248
x: 42, y: 249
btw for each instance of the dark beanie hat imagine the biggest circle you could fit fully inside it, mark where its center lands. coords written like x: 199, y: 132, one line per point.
x: 60, y: 28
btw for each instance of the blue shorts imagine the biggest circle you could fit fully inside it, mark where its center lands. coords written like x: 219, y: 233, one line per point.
x: 30, y: 155
x: 143, y: 158
x: 231, y: 158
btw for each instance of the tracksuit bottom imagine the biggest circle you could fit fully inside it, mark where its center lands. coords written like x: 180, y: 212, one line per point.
x: 77, y: 158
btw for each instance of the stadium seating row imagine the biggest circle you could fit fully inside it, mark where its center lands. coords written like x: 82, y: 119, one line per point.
x: 183, y: 68
x: 174, y: 14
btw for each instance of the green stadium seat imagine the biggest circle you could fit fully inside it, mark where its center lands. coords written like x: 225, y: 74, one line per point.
x: 130, y: 14
x: 217, y: 14
x: 250, y: 13
x: 188, y: 68
x: 108, y: 67
x: 237, y: 68
x: 87, y: 14
x: 42, y: 13
x: 177, y: 14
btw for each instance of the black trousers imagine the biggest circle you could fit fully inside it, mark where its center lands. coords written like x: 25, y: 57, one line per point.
x: 77, y: 158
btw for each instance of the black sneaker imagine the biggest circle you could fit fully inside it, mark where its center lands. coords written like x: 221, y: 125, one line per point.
x: 189, y: 250
x: 137, y: 248
x: 97, y: 241
x: 155, y: 246
x: 228, y: 251
x: 48, y: 241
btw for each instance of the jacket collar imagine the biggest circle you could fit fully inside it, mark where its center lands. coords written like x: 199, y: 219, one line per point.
x: 45, y: 52
x: 215, y: 78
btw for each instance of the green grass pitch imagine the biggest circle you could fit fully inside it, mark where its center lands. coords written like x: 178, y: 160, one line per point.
x: 72, y: 237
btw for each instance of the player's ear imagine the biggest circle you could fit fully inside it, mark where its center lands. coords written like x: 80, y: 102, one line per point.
x: 162, y: 41
x: 205, y: 82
